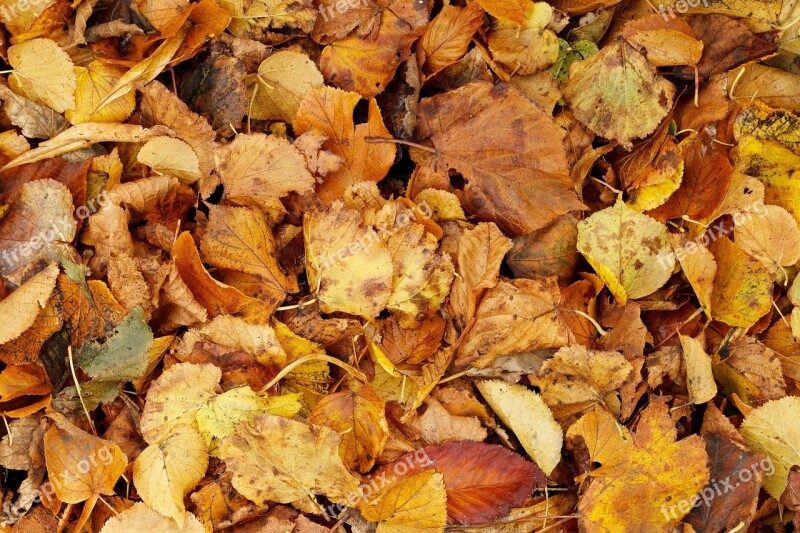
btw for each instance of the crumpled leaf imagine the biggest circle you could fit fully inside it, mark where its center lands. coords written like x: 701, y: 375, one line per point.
x: 347, y: 263
x: 515, y: 316
x: 330, y: 111
x: 365, y: 65
x: 359, y: 419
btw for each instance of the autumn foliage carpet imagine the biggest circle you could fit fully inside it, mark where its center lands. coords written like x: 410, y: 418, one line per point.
x: 399, y: 266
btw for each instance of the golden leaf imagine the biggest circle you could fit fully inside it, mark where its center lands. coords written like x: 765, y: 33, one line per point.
x: 413, y: 504
x: 281, y: 83
x: 44, y: 73
x: 619, y: 80
x: 628, y: 250
x: 640, y: 475
x: 359, y: 419
x: 280, y: 460
x: 94, y: 83
x: 164, y: 473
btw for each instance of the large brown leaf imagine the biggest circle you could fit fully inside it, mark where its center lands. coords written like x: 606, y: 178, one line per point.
x: 508, y: 151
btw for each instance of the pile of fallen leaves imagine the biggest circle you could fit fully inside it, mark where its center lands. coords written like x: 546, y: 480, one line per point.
x: 399, y: 265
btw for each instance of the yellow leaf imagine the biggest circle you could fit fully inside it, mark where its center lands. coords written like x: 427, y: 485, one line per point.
x: 164, y: 473
x: 526, y: 414
x: 774, y: 429
x: 146, y: 70
x: 86, y: 134
x: 44, y: 73
x: 777, y: 167
x: 770, y: 235
x: 359, y: 419
x: 619, y: 80
x: 765, y: 123
x: 414, y: 504
x: 699, y: 377
x: 643, y: 478
x: 742, y: 286
x: 282, y: 81
x: 21, y: 308
x: 442, y: 205
x: 216, y: 419
x: 699, y: 267
x: 94, y: 83
x: 347, y: 263
x: 526, y: 48
x: 421, y: 279
x: 280, y: 460
x: 172, y: 157
x: 257, y: 170
x: 140, y: 517
x: 175, y: 397
x: 628, y: 250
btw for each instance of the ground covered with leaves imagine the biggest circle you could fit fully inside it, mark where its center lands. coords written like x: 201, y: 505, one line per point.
x: 400, y: 265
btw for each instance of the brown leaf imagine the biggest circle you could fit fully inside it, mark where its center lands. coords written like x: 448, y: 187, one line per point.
x: 518, y: 180
x: 330, y: 111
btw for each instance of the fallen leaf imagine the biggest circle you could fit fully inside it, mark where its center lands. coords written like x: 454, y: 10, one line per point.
x: 524, y: 412
x: 358, y: 417
x: 628, y: 250
x: 635, y: 485
x: 164, y: 473
x: 44, y: 73
x: 773, y: 430
x: 330, y: 111
x: 639, y: 97
x: 268, y: 463
x: 416, y: 503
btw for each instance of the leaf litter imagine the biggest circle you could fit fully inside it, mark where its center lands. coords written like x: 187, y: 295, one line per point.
x: 399, y: 266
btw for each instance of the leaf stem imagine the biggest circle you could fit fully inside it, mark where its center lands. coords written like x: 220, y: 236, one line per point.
x: 400, y: 141
x: 78, y: 388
